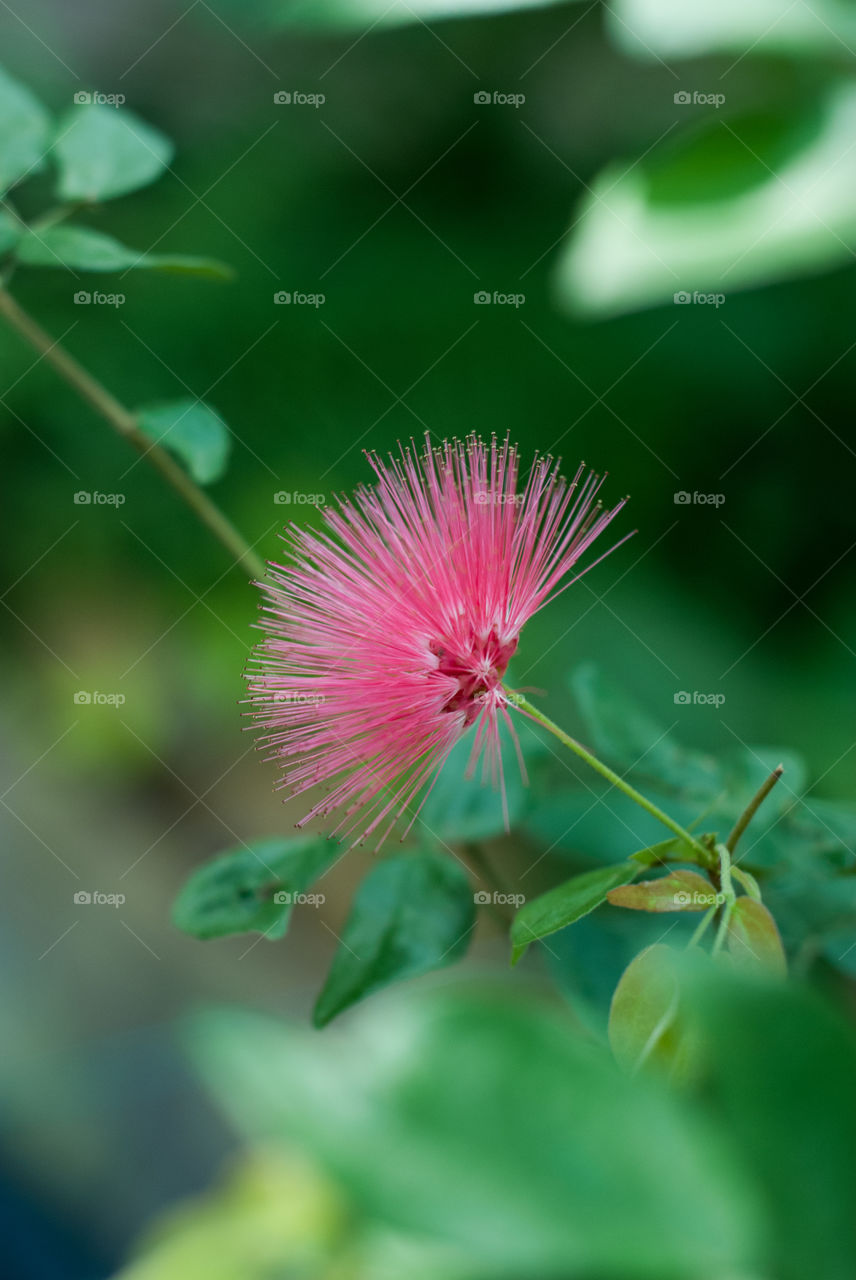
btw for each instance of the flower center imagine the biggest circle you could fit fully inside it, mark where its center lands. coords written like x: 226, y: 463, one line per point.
x: 478, y: 668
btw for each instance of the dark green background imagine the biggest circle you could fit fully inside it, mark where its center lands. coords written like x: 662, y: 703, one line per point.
x: 142, y: 601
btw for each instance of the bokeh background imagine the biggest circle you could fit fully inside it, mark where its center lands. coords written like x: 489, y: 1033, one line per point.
x: 594, y: 197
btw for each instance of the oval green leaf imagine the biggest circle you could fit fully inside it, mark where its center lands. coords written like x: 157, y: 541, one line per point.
x: 643, y: 1017
x: 193, y: 431
x: 252, y: 889
x: 679, y: 891
x: 566, y: 903
x: 753, y: 939
x: 85, y: 250
x: 412, y: 913
x: 103, y: 152
x: 25, y: 130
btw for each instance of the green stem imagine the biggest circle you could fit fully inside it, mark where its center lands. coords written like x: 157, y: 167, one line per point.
x: 611, y: 776
x: 124, y: 423
x: 727, y: 889
x: 702, y: 927
x: 752, y: 807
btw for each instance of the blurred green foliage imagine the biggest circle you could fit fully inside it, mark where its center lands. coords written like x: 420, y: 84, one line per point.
x: 483, y: 1131
x: 599, y: 198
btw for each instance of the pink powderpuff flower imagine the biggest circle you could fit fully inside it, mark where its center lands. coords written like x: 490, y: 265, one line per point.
x: 389, y: 633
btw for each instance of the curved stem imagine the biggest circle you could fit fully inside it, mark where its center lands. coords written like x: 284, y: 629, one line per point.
x: 728, y: 893
x: 611, y: 776
x: 702, y: 927
x: 752, y: 807
x: 124, y: 424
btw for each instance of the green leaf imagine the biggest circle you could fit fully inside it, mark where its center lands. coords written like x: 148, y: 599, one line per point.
x: 25, y: 130
x: 643, y: 1017
x: 693, y: 226
x: 459, y: 808
x: 679, y: 891
x: 103, y: 152
x: 366, y: 14
x: 482, y: 1120
x: 87, y: 250
x: 664, y: 851
x: 781, y: 1064
x: 674, y: 850
x: 412, y: 913
x: 193, y: 431
x: 664, y: 29
x: 629, y: 738
x: 566, y: 903
x: 753, y: 939
x: 251, y: 890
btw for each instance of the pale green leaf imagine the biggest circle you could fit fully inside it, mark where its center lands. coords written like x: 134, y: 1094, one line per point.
x: 103, y: 152
x: 568, y: 902
x: 193, y: 431
x: 25, y: 130
x: 83, y: 249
